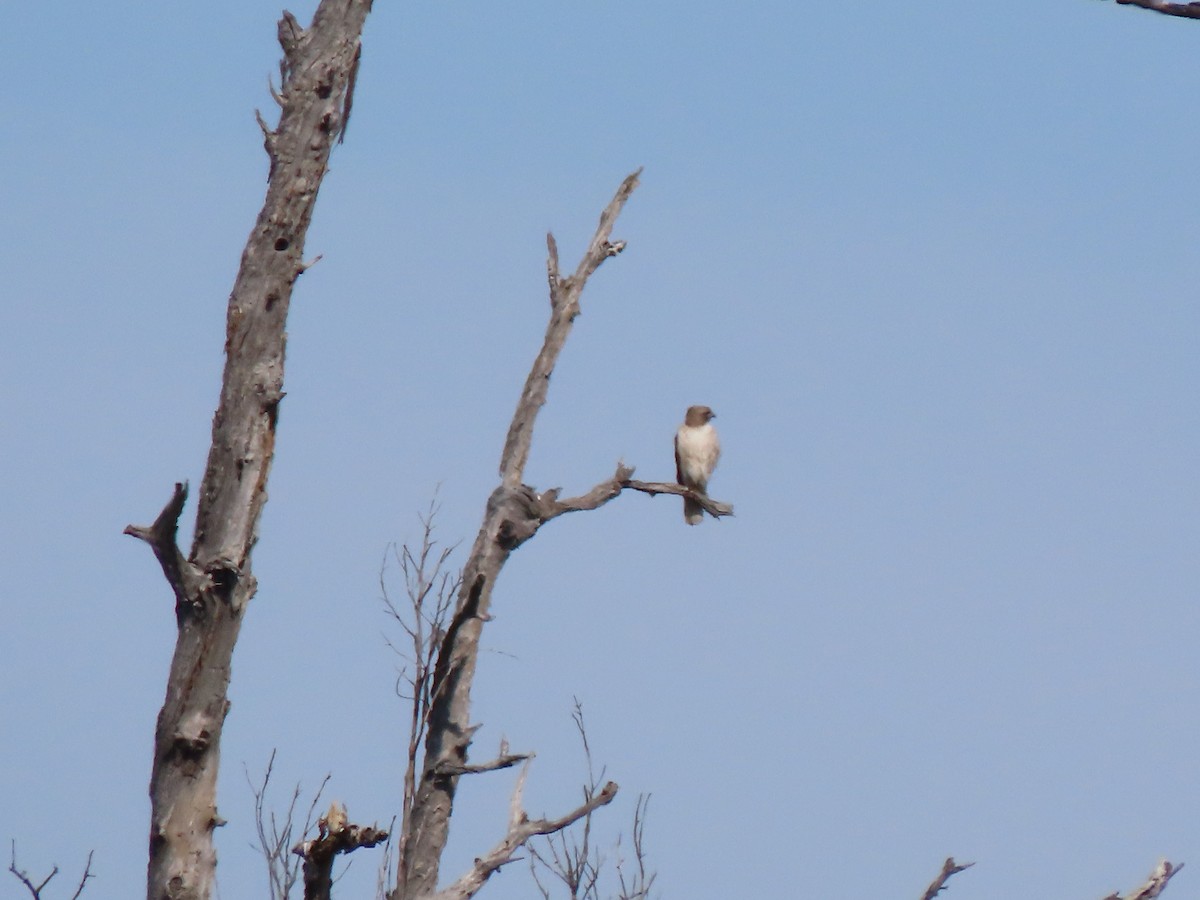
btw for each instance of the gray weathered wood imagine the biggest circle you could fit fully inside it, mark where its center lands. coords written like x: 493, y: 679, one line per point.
x: 514, y: 513
x: 214, y: 583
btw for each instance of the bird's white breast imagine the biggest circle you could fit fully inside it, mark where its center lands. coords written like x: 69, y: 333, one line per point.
x: 698, y: 451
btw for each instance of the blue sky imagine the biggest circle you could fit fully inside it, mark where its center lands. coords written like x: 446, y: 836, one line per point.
x: 930, y: 263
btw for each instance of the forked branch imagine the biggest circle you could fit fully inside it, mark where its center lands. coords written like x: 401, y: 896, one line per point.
x: 431, y: 588
x: 35, y: 890
x: 514, y: 513
x: 520, y: 829
x: 572, y: 856
x: 564, y: 307
x: 184, y: 578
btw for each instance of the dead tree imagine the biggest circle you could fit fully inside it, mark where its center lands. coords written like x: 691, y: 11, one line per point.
x: 214, y: 583
x: 514, y: 513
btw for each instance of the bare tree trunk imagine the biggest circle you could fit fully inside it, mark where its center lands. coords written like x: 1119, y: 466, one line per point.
x: 214, y: 583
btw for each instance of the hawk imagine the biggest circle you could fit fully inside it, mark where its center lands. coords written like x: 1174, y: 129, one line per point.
x: 697, y: 449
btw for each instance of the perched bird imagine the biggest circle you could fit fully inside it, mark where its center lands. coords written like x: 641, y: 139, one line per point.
x: 335, y: 820
x: 697, y: 449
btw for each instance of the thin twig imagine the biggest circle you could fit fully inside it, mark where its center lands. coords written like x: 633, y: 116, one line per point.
x: 564, y: 304
x: 573, y: 859
x: 282, y: 870
x: 638, y: 885
x: 431, y: 588
x: 35, y: 890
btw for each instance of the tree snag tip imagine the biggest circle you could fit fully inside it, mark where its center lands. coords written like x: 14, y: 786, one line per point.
x: 165, y: 526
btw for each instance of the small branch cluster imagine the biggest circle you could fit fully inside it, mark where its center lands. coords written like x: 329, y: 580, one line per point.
x: 430, y: 588
x: 568, y: 856
x: 572, y: 859
x: 275, y: 841
x: 35, y: 890
x: 636, y: 884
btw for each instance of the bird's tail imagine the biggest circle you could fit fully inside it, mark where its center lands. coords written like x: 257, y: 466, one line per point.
x: 692, y: 513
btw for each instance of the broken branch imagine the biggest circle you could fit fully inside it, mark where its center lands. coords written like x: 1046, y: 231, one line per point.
x: 181, y: 575
x: 949, y: 868
x: 1154, y: 886
x: 520, y: 829
x: 505, y: 761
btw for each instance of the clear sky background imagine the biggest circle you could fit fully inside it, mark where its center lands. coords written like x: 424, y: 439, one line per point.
x: 933, y: 264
